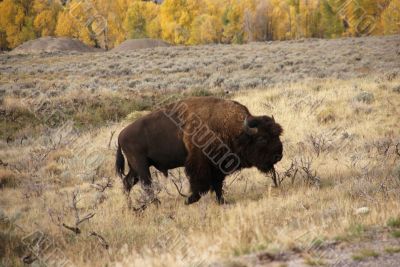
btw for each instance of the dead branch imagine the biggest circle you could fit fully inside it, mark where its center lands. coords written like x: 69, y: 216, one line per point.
x: 319, y: 143
x: 237, y: 177
x: 29, y: 259
x: 310, y: 176
x: 178, y: 189
x: 55, y: 218
x: 383, y: 145
x: 180, y: 186
x: 111, y: 137
x: 144, y: 205
x: 316, y: 105
x: 76, y: 230
x: 87, y: 217
x: 78, y: 220
x: 274, y: 177
x: 22, y: 139
x: 101, y: 239
x: 4, y: 164
x: 290, y: 172
x: 102, y: 187
x: 147, y: 197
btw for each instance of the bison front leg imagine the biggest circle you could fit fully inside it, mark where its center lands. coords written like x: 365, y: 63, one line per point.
x: 199, y: 186
x: 199, y: 179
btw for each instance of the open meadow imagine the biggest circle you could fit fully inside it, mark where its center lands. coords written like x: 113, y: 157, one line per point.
x: 338, y: 102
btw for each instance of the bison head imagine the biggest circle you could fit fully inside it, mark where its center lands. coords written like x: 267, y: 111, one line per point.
x: 260, y: 142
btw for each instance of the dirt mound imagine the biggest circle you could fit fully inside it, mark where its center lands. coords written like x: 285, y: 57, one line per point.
x: 135, y: 44
x: 52, y: 44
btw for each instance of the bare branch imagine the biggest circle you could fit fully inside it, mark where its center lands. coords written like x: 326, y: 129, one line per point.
x: 74, y: 206
x: 237, y: 177
x: 29, y: 259
x: 76, y: 230
x: 55, y: 218
x: 78, y: 220
x: 310, y: 176
x: 177, y: 188
x: 111, y: 137
x: 4, y: 164
x: 101, y: 239
x: 87, y: 217
x: 179, y: 179
x: 102, y: 187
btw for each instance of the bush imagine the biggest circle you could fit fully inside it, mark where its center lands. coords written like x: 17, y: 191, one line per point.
x: 365, y: 97
x: 394, y: 222
x: 396, y: 89
x: 8, y: 178
x: 326, y: 115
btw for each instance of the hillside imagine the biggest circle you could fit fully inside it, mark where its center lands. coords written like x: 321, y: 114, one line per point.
x: 338, y: 102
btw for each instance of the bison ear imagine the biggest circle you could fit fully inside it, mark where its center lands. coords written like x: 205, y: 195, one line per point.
x: 250, y: 126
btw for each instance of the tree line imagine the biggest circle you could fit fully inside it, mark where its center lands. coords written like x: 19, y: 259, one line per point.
x: 107, y: 23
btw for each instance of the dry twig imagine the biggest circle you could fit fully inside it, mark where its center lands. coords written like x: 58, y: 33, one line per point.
x: 111, y: 137
x: 176, y: 180
x: 101, y: 239
x: 102, y: 187
x: 78, y: 219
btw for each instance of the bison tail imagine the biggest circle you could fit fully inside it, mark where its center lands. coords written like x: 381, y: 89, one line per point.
x: 120, y: 163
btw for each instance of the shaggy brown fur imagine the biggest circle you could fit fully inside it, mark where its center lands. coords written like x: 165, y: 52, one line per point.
x: 210, y: 137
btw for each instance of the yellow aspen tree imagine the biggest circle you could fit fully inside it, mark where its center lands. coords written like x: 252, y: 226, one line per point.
x: 135, y: 21
x: 69, y: 26
x: 15, y: 23
x: 233, y: 23
x: 46, y: 17
x: 205, y: 29
x: 280, y: 20
x: 116, y: 18
x: 176, y: 17
x: 390, y: 18
x: 153, y: 26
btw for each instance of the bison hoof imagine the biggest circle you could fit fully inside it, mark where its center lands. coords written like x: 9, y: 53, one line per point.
x: 222, y: 201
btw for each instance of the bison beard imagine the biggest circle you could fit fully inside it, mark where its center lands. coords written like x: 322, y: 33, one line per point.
x: 210, y: 137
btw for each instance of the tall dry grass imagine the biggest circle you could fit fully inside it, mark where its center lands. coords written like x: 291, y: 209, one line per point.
x: 345, y: 140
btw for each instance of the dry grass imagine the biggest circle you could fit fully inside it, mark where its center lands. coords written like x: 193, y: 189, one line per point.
x: 347, y: 143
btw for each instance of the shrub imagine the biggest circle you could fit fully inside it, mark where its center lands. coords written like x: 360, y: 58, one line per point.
x: 394, y: 222
x: 396, y: 89
x: 8, y: 178
x: 327, y: 115
x: 365, y: 97
x: 365, y: 253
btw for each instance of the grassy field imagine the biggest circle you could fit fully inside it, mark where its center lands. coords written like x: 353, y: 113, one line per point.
x: 340, y: 170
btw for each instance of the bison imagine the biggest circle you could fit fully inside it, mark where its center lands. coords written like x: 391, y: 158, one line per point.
x: 209, y: 136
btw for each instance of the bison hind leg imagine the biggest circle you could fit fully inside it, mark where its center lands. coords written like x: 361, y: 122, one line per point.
x: 130, y: 180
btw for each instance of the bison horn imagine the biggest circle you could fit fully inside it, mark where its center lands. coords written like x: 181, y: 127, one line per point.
x: 273, y: 119
x: 249, y: 130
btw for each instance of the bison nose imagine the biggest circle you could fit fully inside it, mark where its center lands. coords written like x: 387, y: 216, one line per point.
x: 277, y: 157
